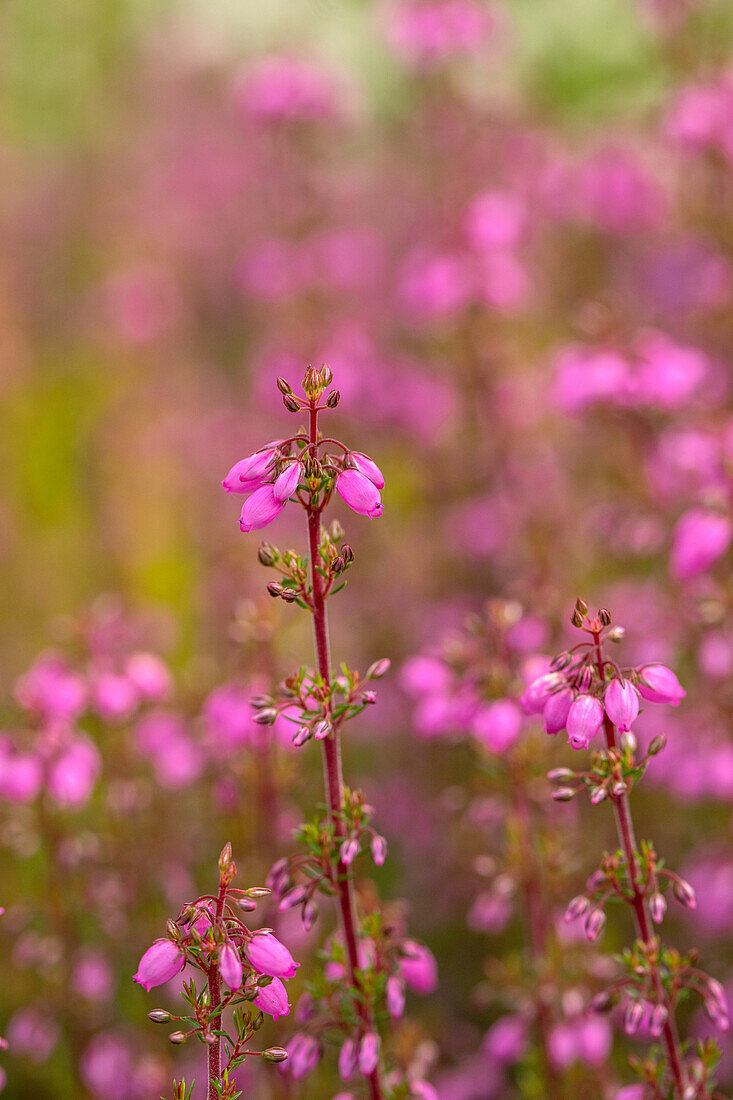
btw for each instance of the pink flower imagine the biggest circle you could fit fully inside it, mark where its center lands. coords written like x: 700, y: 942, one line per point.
x: 149, y: 675
x: 421, y: 1090
x: 369, y: 1053
x: 51, y: 689
x: 498, y: 725
x: 361, y: 494
x: 506, y: 1040
x: 73, y: 774
x: 557, y: 707
x: 348, y: 1057
x: 368, y: 467
x: 238, y: 481
x: 700, y: 538
x: 161, y: 962
x: 273, y: 999
x: 584, y: 720
x: 114, y: 697
x: 538, y: 692
x: 21, y: 775
x: 660, y: 685
x: 418, y: 967
x: 304, y: 1052
x: 260, y: 509
x: 230, y: 965
x: 269, y: 956
x: 621, y: 701
x: 287, y: 482
x: 495, y: 219
x: 93, y: 978
x: 395, y: 992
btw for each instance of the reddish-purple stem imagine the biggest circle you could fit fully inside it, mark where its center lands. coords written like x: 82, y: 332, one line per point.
x: 332, y: 766
x: 215, y: 1003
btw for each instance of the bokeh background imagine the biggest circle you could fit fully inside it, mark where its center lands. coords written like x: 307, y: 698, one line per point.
x: 507, y: 227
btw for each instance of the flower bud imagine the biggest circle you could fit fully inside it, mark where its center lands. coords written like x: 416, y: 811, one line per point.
x: 292, y: 898
x: 598, y: 794
x: 322, y: 729
x: 308, y: 914
x: 230, y: 965
x: 560, y: 775
x: 349, y: 851
x: 333, y: 399
x: 177, y: 1037
x: 657, y: 745
x: 684, y: 893
x: 265, y: 717
x: 346, y: 552
x: 378, y: 669
x: 564, y: 794
x: 275, y: 589
x: 301, y: 735
x: 267, y: 554
x: 275, y: 1054
x: 658, y: 1020
x: 576, y: 908
x: 605, y: 616
x: 633, y: 1016
x: 395, y: 993
x: 581, y: 607
x: 369, y: 1053
x: 657, y: 907
x: 287, y: 482
x: 283, y: 386
x: 159, y: 1016
x: 378, y: 848
x: 594, y: 925
x: 291, y: 403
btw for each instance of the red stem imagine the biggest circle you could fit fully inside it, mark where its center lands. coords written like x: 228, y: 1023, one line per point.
x: 215, y: 1003
x: 332, y: 766
x: 642, y: 918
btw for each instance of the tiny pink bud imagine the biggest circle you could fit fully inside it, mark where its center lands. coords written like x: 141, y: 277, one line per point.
x: 576, y: 908
x: 657, y: 907
x: 594, y: 925
x: 349, y: 851
x: 378, y: 848
x: 658, y: 1020
x: 684, y: 893
x: 369, y: 1053
x: 395, y: 993
x: 348, y: 1057
x: 633, y: 1016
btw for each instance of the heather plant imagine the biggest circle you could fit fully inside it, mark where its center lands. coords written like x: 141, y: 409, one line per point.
x: 544, y: 1038
x: 370, y: 958
x: 243, y: 972
x: 585, y: 692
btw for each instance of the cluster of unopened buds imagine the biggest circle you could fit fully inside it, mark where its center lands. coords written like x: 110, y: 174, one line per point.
x: 575, y: 696
x: 210, y: 936
x: 285, y: 468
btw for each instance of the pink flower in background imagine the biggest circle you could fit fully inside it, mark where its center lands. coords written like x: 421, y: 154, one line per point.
x: 497, y: 725
x: 33, y: 1034
x: 427, y: 32
x: 419, y: 968
x: 72, y: 775
x: 285, y: 89
x: 150, y: 675
x: 495, y: 219
x: 51, y: 689
x: 700, y: 538
x: 304, y: 1053
x: 507, y: 1039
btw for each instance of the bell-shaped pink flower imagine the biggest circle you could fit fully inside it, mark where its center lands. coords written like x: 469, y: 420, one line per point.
x: 348, y: 1057
x: 368, y: 467
x: 161, y: 962
x: 304, y: 1051
x: 584, y: 720
x: 74, y: 772
x: 237, y: 480
x: 257, y: 464
x: 621, y: 701
x: 660, y: 685
x: 369, y: 1053
x: 418, y: 967
x: 361, y: 495
x: 557, y: 707
x: 150, y: 676
x: 286, y: 482
x: 507, y: 1039
x: 114, y: 697
x: 269, y: 956
x: 700, y: 538
x: 230, y: 965
x: 273, y: 999
x: 538, y: 691
x: 260, y: 509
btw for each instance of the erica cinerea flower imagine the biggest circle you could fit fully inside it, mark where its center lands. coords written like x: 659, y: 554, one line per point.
x: 654, y: 978
x: 365, y: 972
x: 209, y: 937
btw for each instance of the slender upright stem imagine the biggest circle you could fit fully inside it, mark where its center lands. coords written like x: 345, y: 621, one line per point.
x: 214, y: 1064
x: 332, y: 766
x: 642, y: 918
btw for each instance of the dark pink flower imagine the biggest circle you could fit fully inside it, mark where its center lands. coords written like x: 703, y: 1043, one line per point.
x: 660, y: 685
x: 260, y: 509
x: 269, y: 956
x: 621, y: 701
x: 359, y: 492
x: 161, y: 962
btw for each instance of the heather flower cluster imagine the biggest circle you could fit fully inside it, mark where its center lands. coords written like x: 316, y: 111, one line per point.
x: 244, y: 970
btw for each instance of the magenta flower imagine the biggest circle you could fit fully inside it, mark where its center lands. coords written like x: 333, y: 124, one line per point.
x: 230, y: 965
x: 557, y: 707
x: 273, y: 999
x: 584, y: 720
x: 260, y: 509
x: 660, y: 685
x: 622, y: 704
x: 368, y: 467
x: 286, y: 482
x: 269, y: 956
x: 369, y: 1053
x: 536, y: 694
x: 498, y: 725
x: 348, y: 1057
x: 419, y: 968
x: 361, y: 494
x: 237, y: 480
x: 161, y: 962
x: 304, y: 1052
x: 507, y: 1039
x: 700, y: 538
x: 150, y: 676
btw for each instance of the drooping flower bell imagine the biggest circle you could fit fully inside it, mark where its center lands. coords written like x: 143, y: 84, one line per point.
x: 584, y: 720
x: 260, y: 509
x: 230, y: 965
x: 556, y: 710
x: 621, y: 701
x: 269, y: 956
x: 660, y: 685
x: 161, y: 962
x: 273, y: 999
x: 360, y: 493
x: 368, y: 467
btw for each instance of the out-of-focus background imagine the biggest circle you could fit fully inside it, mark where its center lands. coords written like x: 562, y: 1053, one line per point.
x: 508, y: 229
